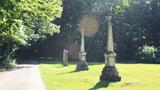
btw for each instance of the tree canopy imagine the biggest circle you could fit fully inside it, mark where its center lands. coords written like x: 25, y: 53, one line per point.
x: 24, y: 21
x: 135, y: 25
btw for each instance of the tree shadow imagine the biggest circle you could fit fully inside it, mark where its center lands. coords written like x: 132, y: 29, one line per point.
x: 56, y: 62
x: 34, y: 62
x: 94, y: 63
x: 22, y: 67
x: 61, y: 66
x: 48, y: 62
x: 100, y: 84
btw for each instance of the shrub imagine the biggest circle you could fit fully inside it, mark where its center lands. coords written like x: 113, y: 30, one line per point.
x: 147, y: 54
x: 157, y: 54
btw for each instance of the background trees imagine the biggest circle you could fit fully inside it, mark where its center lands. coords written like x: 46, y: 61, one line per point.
x: 23, y: 22
x: 135, y: 25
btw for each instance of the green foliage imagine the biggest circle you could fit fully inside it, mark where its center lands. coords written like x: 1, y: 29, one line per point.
x: 73, y: 12
x: 147, y: 54
x: 135, y: 23
x: 157, y: 54
x: 23, y: 21
x: 149, y: 50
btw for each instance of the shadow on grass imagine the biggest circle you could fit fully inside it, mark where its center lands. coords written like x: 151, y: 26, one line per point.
x: 75, y: 71
x: 60, y: 66
x: 100, y: 84
x: 55, y: 62
x: 61, y: 62
x: 49, y: 62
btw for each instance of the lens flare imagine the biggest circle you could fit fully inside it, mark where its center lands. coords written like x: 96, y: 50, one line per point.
x: 89, y: 24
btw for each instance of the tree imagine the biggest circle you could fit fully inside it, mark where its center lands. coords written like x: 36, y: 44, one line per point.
x: 72, y: 14
x: 25, y: 21
x: 135, y: 24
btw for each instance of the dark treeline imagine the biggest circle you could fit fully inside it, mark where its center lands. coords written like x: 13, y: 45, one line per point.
x: 136, y: 25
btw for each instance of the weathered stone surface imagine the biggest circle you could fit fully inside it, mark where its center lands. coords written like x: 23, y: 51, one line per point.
x: 65, y: 57
x: 82, y: 56
x: 110, y: 59
x: 110, y: 74
x: 82, y: 65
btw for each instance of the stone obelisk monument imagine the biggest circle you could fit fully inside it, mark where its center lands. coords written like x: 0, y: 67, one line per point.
x: 110, y: 72
x: 82, y: 65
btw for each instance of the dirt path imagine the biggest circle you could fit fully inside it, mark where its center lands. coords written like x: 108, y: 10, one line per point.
x: 24, y: 77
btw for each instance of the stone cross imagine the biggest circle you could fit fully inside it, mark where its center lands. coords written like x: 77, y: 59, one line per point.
x: 82, y: 65
x: 65, y: 57
x: 110, y: 72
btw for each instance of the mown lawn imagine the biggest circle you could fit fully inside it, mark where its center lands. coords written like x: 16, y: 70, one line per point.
x: 134, y: 77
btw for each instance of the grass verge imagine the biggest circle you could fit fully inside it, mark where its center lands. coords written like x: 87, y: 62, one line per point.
x: 134, y: 77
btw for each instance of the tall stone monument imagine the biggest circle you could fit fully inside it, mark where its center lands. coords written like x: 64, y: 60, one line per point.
x: 82, y: 65
x: 110, y: 72
x: 65, y: 57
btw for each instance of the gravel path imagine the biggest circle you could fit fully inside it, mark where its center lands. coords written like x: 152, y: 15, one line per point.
x: 24, y: 77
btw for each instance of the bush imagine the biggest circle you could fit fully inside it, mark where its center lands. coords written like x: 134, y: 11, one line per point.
x: 147, y: 54
x: 157, y: 54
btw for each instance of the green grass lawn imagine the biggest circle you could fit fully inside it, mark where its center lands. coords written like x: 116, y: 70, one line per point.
x: 134, y: 77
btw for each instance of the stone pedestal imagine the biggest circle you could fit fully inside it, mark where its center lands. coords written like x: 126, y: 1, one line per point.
x: 82, y: 64
x: 110, y: 74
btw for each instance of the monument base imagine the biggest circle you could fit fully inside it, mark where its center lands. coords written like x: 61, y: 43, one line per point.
x: 64, y: 65
x: 82, y: 65
x: 110, y: 74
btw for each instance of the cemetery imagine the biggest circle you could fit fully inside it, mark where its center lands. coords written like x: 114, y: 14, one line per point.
x: 79, y: 45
